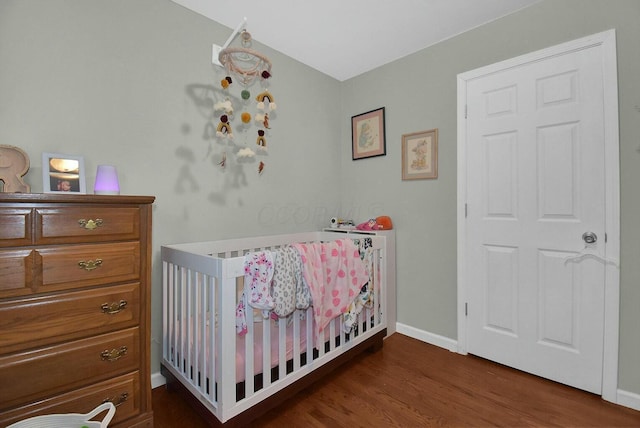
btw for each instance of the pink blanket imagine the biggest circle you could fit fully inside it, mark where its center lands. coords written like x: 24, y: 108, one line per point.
x: 335, y: 274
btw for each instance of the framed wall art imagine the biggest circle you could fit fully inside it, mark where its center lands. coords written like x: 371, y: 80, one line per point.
x: 367, y: 134
x: 63, y: 173
x: 420, y: 155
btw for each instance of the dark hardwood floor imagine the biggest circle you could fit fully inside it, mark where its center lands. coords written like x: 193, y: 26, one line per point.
x: 412, y: 384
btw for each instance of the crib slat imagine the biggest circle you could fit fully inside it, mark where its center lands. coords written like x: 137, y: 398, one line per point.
x: 177, y: 346
x: 249, y: 352
x: 282, y: 349
x: 296, y: 350
x: 309, y: 326
x: 211, y: 349
x: 181, y: 315
x: 167, y: 317
x: 202, y: 333
x: 189, y: 323
x: 266, y: 353
x: 381, y: 296
x: 332, y: 334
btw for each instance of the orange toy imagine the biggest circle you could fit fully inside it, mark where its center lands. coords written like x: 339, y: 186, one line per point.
x: 384, y: 222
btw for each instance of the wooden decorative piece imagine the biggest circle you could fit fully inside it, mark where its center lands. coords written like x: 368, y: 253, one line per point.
x: 14, y: 164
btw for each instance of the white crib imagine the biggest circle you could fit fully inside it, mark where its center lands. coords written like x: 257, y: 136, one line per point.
x: 234, y: 379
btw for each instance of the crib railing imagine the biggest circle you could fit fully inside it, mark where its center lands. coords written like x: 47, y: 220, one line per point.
x: 202, y: 283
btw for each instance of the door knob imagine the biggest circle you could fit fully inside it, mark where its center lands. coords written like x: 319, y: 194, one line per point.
x: 589, y: 238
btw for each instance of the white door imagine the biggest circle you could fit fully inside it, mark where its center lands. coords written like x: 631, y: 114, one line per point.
x: 535, y: 226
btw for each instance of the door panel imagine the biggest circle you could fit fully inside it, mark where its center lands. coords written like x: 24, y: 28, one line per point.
x: 535, y: 184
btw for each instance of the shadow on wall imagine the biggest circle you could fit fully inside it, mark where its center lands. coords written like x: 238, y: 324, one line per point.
x: 225, y: 153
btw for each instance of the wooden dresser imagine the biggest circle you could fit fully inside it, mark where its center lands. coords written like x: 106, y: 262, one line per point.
x: 74, y: 306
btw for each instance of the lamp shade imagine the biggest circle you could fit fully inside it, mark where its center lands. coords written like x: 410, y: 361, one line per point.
x: 106, y: 181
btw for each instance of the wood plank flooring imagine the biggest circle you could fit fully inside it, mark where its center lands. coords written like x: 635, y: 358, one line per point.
x: 412, y: 384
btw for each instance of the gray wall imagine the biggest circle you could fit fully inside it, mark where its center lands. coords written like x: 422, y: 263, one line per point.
x: 130, y: 83
x: 419, y: 93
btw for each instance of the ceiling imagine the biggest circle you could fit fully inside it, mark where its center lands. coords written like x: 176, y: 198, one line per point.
x: 345, y: 38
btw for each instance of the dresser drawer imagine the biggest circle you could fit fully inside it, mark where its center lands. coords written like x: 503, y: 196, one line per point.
x: 123, y: 391
x: 84, y: 265
x: 35, y: 375
x: 15, y: 227
x: 37, y: 321
x: 86, y: 224
x: 16, y: 267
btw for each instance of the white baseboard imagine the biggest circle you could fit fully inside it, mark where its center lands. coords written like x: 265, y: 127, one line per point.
x: 425, y: 336
x: 628, y: 399
x: 157, y: 380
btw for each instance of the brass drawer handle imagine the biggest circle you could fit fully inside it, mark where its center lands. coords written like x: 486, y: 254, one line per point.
x: 117, y: 401
x: 114, y: 354
x: 90, y: 265
x: 90, y: 224
x: 113, y: 308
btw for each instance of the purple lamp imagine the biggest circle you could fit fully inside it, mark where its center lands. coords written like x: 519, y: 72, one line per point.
x: 106, y: 181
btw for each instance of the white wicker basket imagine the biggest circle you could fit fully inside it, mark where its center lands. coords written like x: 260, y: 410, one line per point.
x: 70, y: 420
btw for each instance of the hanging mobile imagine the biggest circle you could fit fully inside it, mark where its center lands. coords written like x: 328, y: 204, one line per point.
x: 224, y: 128
x: 266, y: 95
x: 261, y: 141
x: 226, y: 82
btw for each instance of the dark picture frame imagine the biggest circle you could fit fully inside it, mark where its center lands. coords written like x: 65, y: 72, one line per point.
x: 368, y: 134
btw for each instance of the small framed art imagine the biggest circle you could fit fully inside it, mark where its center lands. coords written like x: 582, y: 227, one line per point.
x: 420, y: 155
x: 367, y: 134
x: 63, y: 173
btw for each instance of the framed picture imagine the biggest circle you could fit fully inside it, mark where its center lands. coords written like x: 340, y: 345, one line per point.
x: 367, y: 134
x: 63, y: 173
x: 420, y: 155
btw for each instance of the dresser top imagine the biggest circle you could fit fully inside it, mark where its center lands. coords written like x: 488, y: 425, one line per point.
x: 62, y: 198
